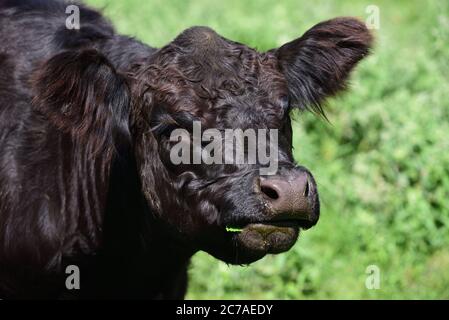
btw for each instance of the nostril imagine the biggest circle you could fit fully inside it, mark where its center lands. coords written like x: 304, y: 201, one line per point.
x: 306, y: 189
x: 270, y: 192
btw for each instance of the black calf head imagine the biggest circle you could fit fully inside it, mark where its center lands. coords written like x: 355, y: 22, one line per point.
x: 203, y: 77
x: 221, y: 84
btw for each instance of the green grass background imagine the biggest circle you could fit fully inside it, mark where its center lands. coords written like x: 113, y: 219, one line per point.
x: 382, y: 164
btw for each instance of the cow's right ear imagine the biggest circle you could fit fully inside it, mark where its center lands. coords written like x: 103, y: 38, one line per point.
x: 81, y: 93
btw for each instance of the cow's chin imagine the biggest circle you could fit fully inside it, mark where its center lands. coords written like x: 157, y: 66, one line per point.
x: 255, y: 241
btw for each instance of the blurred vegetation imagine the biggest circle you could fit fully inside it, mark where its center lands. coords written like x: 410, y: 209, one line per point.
x: 382, y: 163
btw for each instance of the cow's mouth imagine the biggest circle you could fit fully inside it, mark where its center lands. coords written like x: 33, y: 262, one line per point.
x: 255, y: 240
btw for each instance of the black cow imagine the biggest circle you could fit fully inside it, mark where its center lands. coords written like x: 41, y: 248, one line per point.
x: 86, y: 178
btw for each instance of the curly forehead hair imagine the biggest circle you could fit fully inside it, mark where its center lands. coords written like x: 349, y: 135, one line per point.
x: 200, y: 69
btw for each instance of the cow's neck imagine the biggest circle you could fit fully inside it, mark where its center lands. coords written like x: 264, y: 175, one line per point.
x: 139, y: 253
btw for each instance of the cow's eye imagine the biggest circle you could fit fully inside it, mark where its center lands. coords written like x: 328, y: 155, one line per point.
x: 285, y: 104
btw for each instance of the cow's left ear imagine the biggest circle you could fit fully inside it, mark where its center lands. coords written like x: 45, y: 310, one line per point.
x: 80, y: 93
x: 318, y: 64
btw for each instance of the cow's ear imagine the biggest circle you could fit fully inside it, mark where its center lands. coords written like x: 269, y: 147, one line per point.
x: 317, y: 65
x: 81, y: 93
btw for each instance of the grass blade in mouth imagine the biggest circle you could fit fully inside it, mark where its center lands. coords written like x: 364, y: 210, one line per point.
x: 232, y: 229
